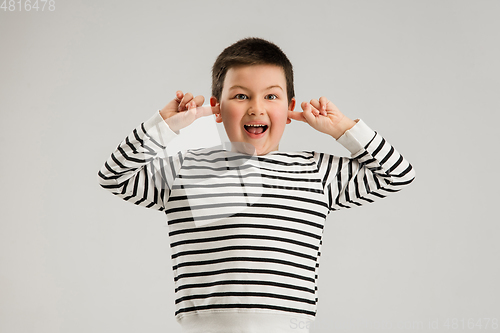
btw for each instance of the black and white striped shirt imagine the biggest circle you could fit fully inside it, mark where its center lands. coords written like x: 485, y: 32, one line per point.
x: 246, y: 231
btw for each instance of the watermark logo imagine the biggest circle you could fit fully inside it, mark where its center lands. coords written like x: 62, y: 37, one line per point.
x: 28, y: 6
x: 223, y: 185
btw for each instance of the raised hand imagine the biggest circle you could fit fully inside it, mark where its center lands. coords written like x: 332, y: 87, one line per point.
x: 323, y: 116
x: 183, y: 110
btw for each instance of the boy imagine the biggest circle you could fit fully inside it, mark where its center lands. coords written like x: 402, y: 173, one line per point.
x: 246, y: 224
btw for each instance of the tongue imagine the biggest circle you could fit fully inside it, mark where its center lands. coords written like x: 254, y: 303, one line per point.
x: 255, y: 130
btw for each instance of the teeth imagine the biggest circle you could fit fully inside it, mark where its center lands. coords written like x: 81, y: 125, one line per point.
x: 259, y: 125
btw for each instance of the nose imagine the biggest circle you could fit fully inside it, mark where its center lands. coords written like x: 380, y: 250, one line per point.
x: 256, y: 108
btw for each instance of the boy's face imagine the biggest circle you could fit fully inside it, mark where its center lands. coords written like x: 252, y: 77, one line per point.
x: 254, y: 95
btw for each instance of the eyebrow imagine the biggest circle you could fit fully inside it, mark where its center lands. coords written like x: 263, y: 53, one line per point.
x: 244, y: 88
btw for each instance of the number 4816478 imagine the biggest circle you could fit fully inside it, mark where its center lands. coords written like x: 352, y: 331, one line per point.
x: 28, y: 5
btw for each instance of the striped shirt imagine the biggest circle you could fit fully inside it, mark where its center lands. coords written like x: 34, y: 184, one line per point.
x: 246, y: 231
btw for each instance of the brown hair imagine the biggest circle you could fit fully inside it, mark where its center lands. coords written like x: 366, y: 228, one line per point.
x: 246, y: 52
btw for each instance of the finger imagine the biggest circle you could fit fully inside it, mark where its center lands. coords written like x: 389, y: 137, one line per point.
x: 191, y: 105
x: 315, y: 103
x: 308, y: 112
x: 203, y: 111
x: 314, y: 107
x: 173, y: 104
x: 296, y: 115
x: 320, y: 105
x: 199, y: 100
x: 323, y: 102
x: 186, y: 99
x: 178, y: 96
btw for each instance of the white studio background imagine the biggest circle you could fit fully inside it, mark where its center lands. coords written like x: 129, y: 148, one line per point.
x: 75, y: 81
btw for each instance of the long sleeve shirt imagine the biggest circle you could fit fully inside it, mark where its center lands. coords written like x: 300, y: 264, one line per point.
x: 246, y: 231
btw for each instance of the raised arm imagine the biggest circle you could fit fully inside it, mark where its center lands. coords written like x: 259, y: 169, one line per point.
x: 375, y: 168
x: 139, y: 170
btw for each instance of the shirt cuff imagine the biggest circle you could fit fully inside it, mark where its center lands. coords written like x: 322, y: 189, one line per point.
x: 356, y: 138
x: 158, y: 129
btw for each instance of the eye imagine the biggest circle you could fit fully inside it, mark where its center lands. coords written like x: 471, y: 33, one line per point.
x: 241, y: 96
x: 271, y: 96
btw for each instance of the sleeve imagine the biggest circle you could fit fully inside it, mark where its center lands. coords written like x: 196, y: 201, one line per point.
x: 139, y: 170
x: 374, y: 170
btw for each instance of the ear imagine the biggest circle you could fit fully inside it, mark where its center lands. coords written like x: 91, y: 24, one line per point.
x: 291, y: 107
x: 216, y: 109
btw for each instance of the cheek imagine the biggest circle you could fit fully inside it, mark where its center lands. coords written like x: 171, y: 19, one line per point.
x: 279, y: 119
x: 231, y: 123
x: 230, y: 119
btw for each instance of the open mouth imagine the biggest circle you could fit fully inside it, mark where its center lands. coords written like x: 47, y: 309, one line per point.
x: 256, y: 129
